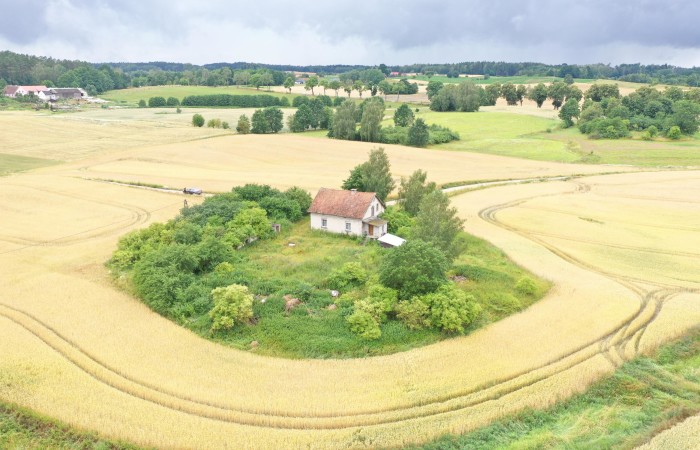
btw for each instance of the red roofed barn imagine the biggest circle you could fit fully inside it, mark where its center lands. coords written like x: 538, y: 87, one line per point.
x: 348, y: 212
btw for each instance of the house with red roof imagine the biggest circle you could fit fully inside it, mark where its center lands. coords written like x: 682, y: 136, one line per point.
x: 348, y: 212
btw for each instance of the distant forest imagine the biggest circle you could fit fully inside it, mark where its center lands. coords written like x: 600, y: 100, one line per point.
x: 97, y: 78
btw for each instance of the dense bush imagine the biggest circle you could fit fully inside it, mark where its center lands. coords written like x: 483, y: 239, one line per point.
x: 198, y: 120
x: 237, y: 101
x: 232, y: 304
x: 415, y: 268
x: 156, y: 102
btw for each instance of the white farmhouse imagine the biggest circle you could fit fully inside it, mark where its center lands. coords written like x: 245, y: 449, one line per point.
x: 348, y: 212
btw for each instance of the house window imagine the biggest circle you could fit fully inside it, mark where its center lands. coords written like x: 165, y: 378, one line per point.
x: 348, y: 226
x: 324, y: 223
x: 372, y: 211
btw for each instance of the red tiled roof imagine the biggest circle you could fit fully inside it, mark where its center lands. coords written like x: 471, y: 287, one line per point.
x: 334, y: 202
x: 10, y: 89
x: 34, y: 88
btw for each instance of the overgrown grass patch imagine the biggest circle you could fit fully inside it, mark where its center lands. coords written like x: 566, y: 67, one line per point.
x: 23, y: 429
x: 641, y: 399
x: 16, y: 163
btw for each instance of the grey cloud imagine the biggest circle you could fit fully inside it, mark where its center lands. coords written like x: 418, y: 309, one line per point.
x: 21, y: 22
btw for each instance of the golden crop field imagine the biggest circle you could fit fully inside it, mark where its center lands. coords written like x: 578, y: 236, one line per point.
x: 684, y: 436
x: 77, y: 348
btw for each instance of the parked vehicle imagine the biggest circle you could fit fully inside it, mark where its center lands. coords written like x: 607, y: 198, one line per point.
x: 192, y: 191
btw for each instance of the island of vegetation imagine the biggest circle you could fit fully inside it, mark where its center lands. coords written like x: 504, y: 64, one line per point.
x: 219, y: 269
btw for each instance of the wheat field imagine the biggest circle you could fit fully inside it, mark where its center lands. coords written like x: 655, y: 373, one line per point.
x: 76, y: 348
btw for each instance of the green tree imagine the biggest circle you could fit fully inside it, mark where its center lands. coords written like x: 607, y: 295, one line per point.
x: 451, y: 309
x: 568, y: 112
x: 359, y: 86
x: 172, y: 101
x: 403, y: 116
x: 384, y: 87
x: 288, y: 84
x: 343, y: 126
x: 510, y: 93
x: 267, y: 120
x: 418, y: 134
x: 438, y: 224
x: 157, y: 102
x: 597, y: 92
x: 414, y: 268
x: 433, y: 88
x: 685, y: 116
x: 521, y: 93
x: 557, y: 92
x: 335, y: 85
x: 323, y: 82
x: 674, y: 133
x: 412, y: 190
x: 574, y: 93
x: 301, y: 120
x: 538, y: 94
x: 492, y: 93
x: 243, y: 125
x: 370, y: 123
x: 198, y: 120
x: 232, y: 305
x: 142, y: 103
x: 311, y: 83
x: 348, y: 87
x: 376, y: 174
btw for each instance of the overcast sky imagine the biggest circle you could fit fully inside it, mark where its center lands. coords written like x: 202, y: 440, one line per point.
x: 355, y: 31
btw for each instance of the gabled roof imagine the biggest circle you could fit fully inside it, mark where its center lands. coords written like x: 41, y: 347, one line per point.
x: 11, y: 89
x: 335, y: 202
x: 34, y: 88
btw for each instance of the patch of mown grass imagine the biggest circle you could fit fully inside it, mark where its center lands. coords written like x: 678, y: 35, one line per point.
x: 16, y: 163
x: 641, y: 399
x: 21, y: 428
x: 502, y: 133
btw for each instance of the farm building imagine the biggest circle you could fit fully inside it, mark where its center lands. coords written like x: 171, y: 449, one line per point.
x: 69, y: 93
x: 348, y: 212
x: 46, y: 94
x: 14, y: 91
x: 390, y: 240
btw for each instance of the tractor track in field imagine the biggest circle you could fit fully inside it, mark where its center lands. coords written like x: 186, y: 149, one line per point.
x: 612, y: 346
x: 137, y: 216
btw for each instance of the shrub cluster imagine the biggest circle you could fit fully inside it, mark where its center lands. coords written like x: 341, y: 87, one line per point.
x: 178, y: 266
x: 671, y: 112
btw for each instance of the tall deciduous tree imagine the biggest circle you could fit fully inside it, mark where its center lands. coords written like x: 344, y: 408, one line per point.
x: 370, y: 123
x: 311, y: 83
x: 288, y: 84
x: 438, y: 224
x: 403, y: 116
x: 433, y: 88
x: 510, y: 93
x: 413, y: 189
x: 538, y: 94
x: 418, y: 134
x: 344, y: 122
x: 373, y: 175
x: 568, y: 112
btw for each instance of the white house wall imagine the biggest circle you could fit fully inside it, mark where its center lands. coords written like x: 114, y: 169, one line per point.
x: 378, y: 209
x: 336, y: 224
